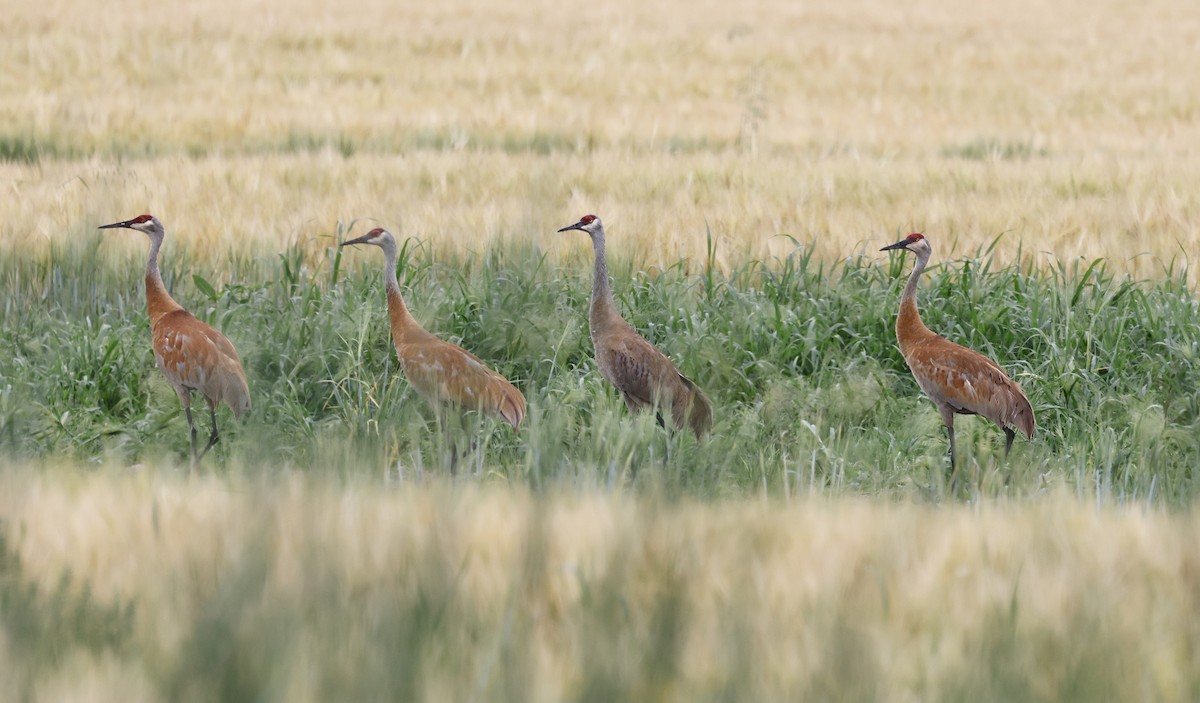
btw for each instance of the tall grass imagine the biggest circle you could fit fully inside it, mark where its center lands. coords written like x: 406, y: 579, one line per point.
x: 798, y: 355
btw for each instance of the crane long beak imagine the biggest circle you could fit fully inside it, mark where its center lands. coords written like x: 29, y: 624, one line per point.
x: 126, y: 223
x: 902, y: 244
x: 360, y: 240
x: 577, y: 225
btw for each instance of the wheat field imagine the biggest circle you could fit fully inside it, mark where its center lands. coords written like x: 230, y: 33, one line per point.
x: 1069, y: 130
x: 748, y: 159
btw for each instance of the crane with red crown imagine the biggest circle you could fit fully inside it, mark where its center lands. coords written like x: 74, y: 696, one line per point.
x: 445, y: 374
x: 958, y: 380
x: 646, y: 378
x: 191, y: 355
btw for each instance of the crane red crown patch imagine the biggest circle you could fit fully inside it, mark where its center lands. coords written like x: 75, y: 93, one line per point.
x: 915, y: 237
x: 377, y: 230
x: 140, y: 219
x: 587, y: 219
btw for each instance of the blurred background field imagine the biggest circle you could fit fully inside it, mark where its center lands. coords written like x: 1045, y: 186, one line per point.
x: 1069, y: 127
x: 749, y: 160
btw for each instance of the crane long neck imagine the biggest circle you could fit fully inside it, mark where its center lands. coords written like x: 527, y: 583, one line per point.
x: 909, y: 323
x: 401, y: 319
x: 603, y: 307
x: 158, y: 301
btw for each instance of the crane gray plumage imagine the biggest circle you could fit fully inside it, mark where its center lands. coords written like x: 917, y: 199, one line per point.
x: 644, y: 375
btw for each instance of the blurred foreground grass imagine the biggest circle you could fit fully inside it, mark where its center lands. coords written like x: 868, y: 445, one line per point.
x: 125, y: 586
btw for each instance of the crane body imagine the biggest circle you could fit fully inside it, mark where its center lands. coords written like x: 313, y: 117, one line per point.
x: 959, y: 381
x: 192, y: 355
x: 645, y: 377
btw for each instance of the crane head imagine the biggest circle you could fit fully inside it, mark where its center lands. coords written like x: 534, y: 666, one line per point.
x: 588, y: 223
x: 376, y: 236
x: 142, y: 223
x: 915, y: 242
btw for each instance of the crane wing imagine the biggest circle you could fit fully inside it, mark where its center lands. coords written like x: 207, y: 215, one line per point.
x: 694, y: 408
x: 970, y: 383
x: 194, y: 356
x: 637, y: 368
x: 441, y: 371
x: 645, y: 376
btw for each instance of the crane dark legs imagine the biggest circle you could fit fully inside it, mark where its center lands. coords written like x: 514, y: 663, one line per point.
x: 186, y: 398
x: 187, y: 408
x: 953, y: 467
x: 1009, y: 436
x: 947, y: 414
x: 452, y: 428
x: 212, y: 438
x: 442, y: 420
x: 451, y: 440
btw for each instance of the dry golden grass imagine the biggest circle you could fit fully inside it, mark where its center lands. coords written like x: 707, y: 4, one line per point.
x: 1070, y: 127
x: 908, y: 601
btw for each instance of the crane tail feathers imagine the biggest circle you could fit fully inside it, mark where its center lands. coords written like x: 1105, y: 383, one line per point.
x: 699, y: 409
x: 235, y: 393
x: 1014, y: 409
x: 227, y: 385
x: 1023, y: 419
x: 512, y: 407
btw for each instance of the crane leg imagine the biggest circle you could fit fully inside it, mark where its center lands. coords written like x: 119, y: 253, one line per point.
x: 443, y: 419
x: 470, y: 427
x: 212, y: 438
x: 192, y: 426
x: 953, y: 467
x: 185, y: 399
x: 1008, y: 440
x: 947, y: 414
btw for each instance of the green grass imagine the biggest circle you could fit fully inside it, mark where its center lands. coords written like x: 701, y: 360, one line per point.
x: 29, y: 146
x: 798, y: 356
x: 993, y: 149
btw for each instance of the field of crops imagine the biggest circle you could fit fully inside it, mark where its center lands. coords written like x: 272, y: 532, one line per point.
x: 749, y: 160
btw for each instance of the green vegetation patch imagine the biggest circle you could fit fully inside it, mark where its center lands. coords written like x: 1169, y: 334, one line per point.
x: 799, y: 357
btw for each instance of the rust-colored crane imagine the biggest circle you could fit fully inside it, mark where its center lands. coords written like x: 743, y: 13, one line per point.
x: 958, y: 380
x: 192, y: 355
x: 442, y: 373
x: 644, y: 375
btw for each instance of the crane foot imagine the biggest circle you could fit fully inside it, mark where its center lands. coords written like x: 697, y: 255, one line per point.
x: 212, y: 439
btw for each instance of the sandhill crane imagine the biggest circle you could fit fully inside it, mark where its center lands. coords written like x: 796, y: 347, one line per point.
x: 442, y: 373
x: 192, y: 355
x: 958, y: 380
x: 644, y: 375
